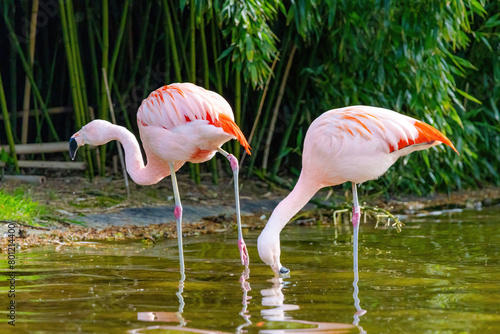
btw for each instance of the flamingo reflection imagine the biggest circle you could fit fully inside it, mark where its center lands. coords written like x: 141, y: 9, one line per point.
x: 274, y: 297
x: 177, y: 316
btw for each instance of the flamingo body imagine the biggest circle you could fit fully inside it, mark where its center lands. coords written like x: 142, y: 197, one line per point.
x: 360, y: 143
x: 185, y: 122
x: 356, y: 144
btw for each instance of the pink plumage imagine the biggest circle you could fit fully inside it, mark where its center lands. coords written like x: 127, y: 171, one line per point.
x: 180, y: 104
x: 355, y: 144
x: 178, y: 123
x: 360, y: 143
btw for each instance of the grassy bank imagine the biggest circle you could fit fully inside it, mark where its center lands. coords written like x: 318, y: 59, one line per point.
x: 19, y: 207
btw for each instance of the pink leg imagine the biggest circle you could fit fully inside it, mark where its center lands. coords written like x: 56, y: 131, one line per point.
x: 178, y: 218
x: 245, y: 259
x: 356, y: 215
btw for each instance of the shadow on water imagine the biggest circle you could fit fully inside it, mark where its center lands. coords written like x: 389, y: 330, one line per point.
x: 441, y: 274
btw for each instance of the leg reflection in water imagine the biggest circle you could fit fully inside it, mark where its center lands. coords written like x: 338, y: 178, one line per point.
x: 179, y: 295
x: 177, y: 317
x: 245, y: 287
x: 359, y: 310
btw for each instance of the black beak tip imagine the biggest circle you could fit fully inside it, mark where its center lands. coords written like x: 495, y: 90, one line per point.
x: 73, y: 146
x: 284, y: 271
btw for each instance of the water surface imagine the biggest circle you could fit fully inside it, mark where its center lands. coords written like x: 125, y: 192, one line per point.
x: 441, y: 274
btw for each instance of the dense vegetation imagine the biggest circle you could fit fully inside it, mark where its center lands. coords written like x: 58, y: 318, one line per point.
x: 279, y: 64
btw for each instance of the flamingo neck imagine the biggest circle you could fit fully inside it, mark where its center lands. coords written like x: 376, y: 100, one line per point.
x: 142, y: 174
x: 303, y: 191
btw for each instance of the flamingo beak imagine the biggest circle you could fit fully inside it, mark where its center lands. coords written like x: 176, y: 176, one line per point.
x: 284, y: 271
x: 279, y: 269
x: 73, y: 147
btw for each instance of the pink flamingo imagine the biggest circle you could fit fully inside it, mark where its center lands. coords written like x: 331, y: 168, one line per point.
x: 177, y: 123
x: 355, y: 144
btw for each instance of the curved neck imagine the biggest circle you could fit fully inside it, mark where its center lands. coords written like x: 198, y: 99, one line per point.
x: 303, y: 191
x: 153, y: 172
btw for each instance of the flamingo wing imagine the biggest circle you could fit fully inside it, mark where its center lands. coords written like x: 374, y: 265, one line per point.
x: 397, y: 131
x: 178, y: 104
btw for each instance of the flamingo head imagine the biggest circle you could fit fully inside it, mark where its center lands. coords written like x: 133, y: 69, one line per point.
x: 268, y: 245
x: 94, y: 133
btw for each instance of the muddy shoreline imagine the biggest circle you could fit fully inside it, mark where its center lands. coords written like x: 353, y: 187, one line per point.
x: 100, y: 210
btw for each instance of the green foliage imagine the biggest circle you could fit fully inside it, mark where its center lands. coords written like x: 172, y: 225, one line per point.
x: 416, y: 58
x: 253, y: 43
x: 434, y: 60
x: 20, y: 208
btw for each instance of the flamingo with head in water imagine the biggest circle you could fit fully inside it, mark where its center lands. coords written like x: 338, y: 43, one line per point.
x: 177, y: 123
x: 355, y: 144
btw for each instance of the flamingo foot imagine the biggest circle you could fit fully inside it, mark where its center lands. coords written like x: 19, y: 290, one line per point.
x: 245, y: 259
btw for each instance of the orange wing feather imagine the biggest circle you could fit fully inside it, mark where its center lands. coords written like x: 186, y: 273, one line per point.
x: 229, y: 126
x: 426, y: 134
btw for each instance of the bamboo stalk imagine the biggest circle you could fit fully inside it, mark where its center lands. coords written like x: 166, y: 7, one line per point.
x: 75, y: 68
x: 51, y: 75
x: 123, y: 107
x: 194, y: 169
x: 103, y: 111
x: 140, y: 49
x: 49, y: 164
x: 258, y: 139
x: 272, y: 125
x: 215, y: 48
x: 82, y: 90
x: 261, y: 105
x: 71, y: 65
x: 38, y: 148
x: 8, y: 129
x: 206, y: 67
x: 92, y: 51
x: 150, y: 60
x: 206, y: 83
x: 293, y: 119
x: 192, y: 28
x: 52, y: 111
x: 182, y: 44
x: 27, y: 86
x: 13, y: 79
x: 119, y: 38
x: 29, y: 73
x: 173, y: 44
x: 237, y: 109
x: 118, y: 144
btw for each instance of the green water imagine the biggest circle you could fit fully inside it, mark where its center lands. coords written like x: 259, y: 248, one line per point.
x: 440, y: 275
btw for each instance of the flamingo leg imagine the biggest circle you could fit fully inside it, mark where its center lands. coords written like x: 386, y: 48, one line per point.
x: 178, y: 218
x: 356, y: 215
x: 245, y: 259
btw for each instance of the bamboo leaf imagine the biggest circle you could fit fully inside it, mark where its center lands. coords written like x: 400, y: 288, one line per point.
x: 468, y: 96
